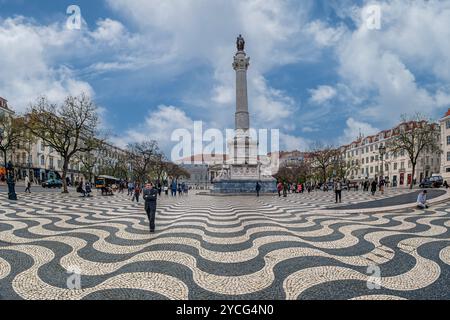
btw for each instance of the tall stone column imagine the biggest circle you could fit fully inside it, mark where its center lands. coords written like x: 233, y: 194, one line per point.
x: 240, y: 65
x: 243, y: 169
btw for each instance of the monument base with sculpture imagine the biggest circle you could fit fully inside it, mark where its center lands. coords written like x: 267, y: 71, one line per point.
x: 244, y: 186
x: 242, y: 179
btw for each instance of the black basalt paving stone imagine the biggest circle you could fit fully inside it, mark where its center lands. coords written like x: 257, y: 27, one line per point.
x: 19, y: 262
x: 291, y: 266
x: 393, y: 201
x: 124, y: 294
x: 5, y: 226
x: 345, y: 290
x: 441, y: 288
x: 236, y: 216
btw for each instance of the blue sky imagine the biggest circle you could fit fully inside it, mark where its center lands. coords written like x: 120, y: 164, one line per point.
x: 317, y: 72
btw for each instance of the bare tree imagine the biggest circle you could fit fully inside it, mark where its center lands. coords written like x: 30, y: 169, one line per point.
x: 176, y: 172
x: 142, y: 157
x: 345, y: 168
x: 298, y: 172
x: 159, y: 166
x: 13, y: 134
x: 415, y: 136
x: 64, y: 127
x: 89, y: 158
x: 322, y: 159
x: 117, y: 169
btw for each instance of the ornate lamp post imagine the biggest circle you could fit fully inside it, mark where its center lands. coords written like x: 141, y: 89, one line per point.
x: 9, y: 175
x: 1, y: 140
x: 382, y: 151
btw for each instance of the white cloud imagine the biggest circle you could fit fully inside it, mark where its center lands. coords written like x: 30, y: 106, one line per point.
x: 158, y: 125
x: 26, y: 69
x: 383, y: 64
x: 110, y: 31
x: 322, y: 94
x: 223, y: 95
x: 34, y: 63
x: 290, y: 143
x: 325, y: 35
x: 274, y: 32
x: 354, y: 129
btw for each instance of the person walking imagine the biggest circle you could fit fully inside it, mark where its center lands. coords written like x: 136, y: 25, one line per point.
x: 150, y: 196
x: 130, y: 188
x: 174, y: 188
x: 88, y: 190
x: 80, y: 188
x: 382, y: 184
x: 374, y: 187
x: 159, y: 188
x: 338, y: 191
x: 258, y: 189
x: 166, y: 191
x: 446, y: 184
x: 27, y: 184
x: 279, y: 188
x: 137, y: 192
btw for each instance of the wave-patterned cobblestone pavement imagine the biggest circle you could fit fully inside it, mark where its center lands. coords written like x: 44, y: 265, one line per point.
x: 220, y: 248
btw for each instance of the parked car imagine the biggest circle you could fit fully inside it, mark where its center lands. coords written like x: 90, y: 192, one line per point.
x: 52, y: 183
x: 433, y: 182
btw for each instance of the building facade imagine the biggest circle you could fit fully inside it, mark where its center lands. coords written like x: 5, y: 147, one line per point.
x: 199, y: 175
x: 40, y: 162
x: 364, y: 161
x: 445, y: 146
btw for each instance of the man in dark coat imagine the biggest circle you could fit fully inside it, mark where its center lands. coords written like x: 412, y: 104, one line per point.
x: 258, y: 188
x: 150, y: 197
x: 374, y: 187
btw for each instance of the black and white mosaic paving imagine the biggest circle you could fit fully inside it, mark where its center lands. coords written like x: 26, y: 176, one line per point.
x: 54, y: 246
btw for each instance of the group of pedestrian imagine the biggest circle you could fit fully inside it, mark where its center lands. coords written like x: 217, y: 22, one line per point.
x: 284, y: 188
x: 374, y: 186
x: 85, y: 188
x: 179, y: 189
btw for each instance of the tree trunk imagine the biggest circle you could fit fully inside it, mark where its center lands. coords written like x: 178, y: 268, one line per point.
x: 64, y: 175
x: 412, y: 176
x: 4, y: 158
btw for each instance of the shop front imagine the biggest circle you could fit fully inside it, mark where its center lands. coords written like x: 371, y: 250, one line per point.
x: 2, y: 174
